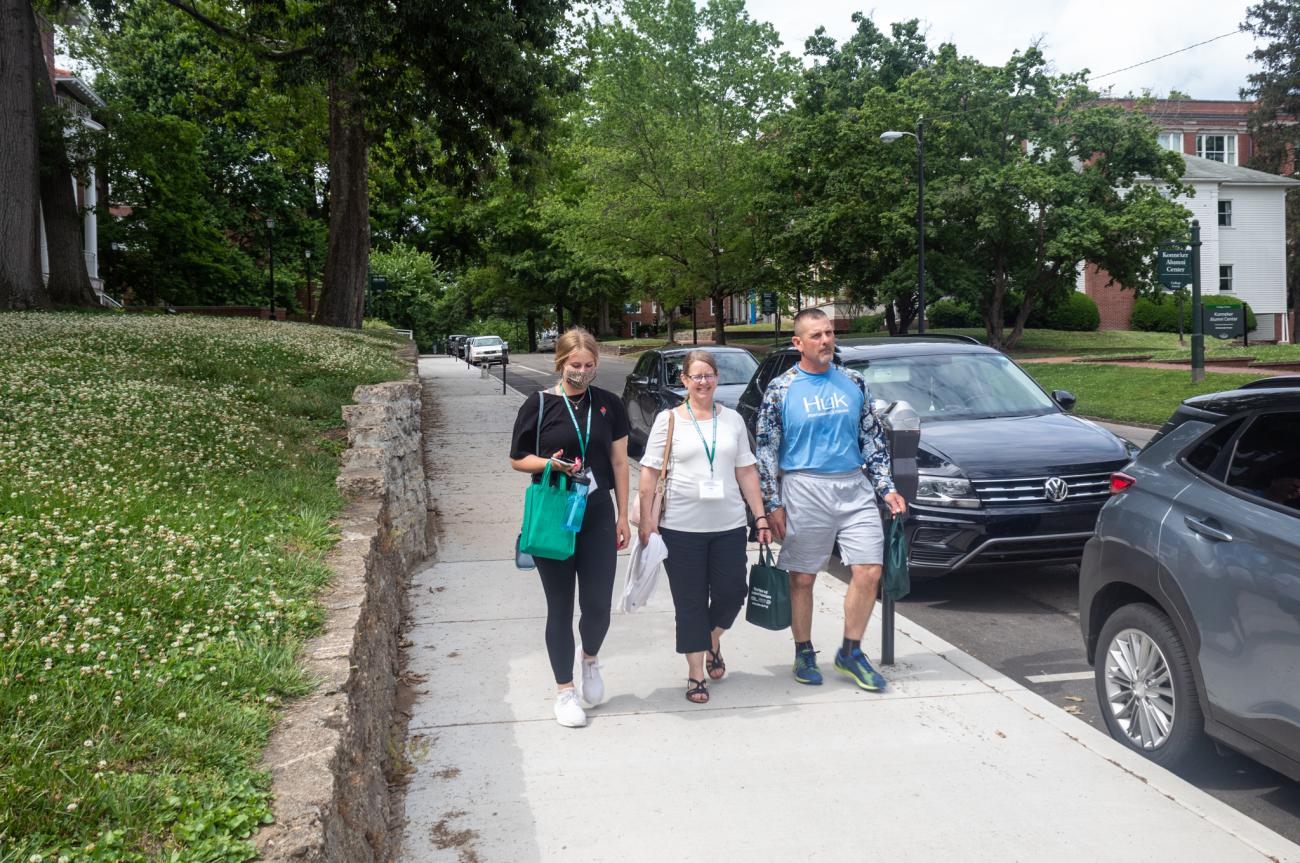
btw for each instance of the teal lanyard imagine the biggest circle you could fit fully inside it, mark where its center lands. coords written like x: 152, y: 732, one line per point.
x: 582, y: 439
x: 708, y: 452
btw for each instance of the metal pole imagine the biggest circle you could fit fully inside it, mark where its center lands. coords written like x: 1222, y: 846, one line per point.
x: 886, y: 629
x: 1198, y: 329
x: 920, y: 229
x: 270, y: 253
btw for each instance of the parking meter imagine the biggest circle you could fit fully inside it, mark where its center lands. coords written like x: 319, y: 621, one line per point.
x: 903, y: 427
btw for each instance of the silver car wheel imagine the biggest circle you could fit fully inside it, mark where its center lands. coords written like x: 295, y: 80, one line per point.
x: 1139, y: 691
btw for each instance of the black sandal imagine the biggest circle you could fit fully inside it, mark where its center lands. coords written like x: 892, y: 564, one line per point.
x: 693, y: 692
x: 714, y: 663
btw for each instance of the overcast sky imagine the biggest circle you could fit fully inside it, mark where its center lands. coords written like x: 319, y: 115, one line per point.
x: 1100, y: 35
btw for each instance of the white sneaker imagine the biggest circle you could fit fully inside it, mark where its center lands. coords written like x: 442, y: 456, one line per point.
x: 568, y: 712
x: 591, y: 685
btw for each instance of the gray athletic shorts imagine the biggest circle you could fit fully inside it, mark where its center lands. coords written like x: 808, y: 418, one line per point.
x: 821, y: 508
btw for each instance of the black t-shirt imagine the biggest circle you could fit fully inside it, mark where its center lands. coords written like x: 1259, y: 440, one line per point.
x: 608, y: 424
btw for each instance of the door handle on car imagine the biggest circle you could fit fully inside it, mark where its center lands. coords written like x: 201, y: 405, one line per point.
x: 1205, y: 530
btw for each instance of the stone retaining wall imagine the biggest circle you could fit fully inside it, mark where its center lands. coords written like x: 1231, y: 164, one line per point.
x: 330, y: 753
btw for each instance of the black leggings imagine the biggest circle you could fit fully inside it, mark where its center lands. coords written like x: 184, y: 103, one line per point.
x: 706, y: 572
x: 592, y: 566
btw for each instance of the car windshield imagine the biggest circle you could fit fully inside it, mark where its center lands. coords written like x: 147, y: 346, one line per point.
x: 733, y: 368
x: 955, y: 386
x: 487, y: 341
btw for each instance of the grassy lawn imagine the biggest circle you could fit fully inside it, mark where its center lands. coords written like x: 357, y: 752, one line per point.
x: 166, y: 490
x: 1128, y: 394
x: 644, y: 344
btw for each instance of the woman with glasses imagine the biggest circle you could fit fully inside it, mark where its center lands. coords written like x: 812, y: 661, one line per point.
x: 712, y: 481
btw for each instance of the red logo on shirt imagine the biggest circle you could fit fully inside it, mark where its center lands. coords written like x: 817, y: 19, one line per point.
x: 602, y: 410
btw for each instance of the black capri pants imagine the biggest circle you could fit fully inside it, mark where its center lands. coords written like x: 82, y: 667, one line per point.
x: 706, y: 572
x: 595, y: 555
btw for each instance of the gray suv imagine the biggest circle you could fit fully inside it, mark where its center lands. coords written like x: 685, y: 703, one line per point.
x: 1189, y: 591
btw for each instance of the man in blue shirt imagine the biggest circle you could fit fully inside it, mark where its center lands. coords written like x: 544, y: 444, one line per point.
x: 817, y: 432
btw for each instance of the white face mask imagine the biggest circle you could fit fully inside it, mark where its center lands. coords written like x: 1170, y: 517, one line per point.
x: 577, y: 378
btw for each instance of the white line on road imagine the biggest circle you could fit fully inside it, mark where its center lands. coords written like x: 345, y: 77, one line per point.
x: 529, y: 369
x: 1058, y: 678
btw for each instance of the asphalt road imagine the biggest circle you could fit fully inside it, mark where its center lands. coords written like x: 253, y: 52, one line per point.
x: 1025, y: 623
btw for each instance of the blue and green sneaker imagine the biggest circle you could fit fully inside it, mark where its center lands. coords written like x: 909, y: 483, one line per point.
x: 805, y: 668
x: 856, y: 666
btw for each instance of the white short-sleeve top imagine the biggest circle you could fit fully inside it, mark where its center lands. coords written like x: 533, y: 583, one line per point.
x: 684, y: 509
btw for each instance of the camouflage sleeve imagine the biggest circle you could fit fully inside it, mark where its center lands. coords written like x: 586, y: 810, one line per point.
x: 767, y: 436
x: 873, y: 442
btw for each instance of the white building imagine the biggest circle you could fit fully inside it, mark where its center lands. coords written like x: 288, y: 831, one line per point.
x: 1242, y: 213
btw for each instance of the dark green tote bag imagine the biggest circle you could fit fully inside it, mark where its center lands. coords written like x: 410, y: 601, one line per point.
x: 896, y: 582
x: 543, y: 533
x: 769, y: 593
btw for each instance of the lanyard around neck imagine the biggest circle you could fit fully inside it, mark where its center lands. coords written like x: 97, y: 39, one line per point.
x: 582, y: 439
x: 707, y: 451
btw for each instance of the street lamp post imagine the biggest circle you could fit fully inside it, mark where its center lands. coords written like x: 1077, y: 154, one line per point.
x: 306, y: 253
x: 270, y: 254
x: 889, y: 138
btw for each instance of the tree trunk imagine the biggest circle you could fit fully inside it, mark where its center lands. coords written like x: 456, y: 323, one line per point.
x: 20, y: 260
x: 604, y: 319
x: 343, y: 292
x: 532, y: 332
x: 559, y: 316
x: 891, y: 320
x: 719, y: 319
x: 69, y: 283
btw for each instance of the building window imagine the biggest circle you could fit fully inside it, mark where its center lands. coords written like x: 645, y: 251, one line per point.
x: 1220, y: 148
x: 1171, y: 141
x: 1225, y: 214
x: 1225, y: 278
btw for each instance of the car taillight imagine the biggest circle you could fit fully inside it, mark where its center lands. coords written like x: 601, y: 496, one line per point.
x: 1121, y: 482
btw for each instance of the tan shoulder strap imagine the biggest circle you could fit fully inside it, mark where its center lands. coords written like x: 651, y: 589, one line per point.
x: 662, y: 482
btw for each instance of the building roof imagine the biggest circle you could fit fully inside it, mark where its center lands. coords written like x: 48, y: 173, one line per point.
x: 1209, y: 170
x: 1173, y: 111
x: 78, y: 88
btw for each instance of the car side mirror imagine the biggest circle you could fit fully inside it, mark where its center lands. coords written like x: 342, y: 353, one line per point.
x: 1064, y: 398
x: 638, y: 380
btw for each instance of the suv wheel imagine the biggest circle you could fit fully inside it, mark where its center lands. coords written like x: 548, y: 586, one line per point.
x: 1145, y: 686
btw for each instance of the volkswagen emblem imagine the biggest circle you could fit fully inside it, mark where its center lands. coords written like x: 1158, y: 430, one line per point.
x: 1056, y: 489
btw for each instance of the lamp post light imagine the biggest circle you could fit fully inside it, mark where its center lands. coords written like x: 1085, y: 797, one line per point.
x: 889, y: 138
x: 306, y: 253
x: 270, y: 254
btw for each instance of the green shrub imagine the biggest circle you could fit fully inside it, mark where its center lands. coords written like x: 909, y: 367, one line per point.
x: 867, y: 324
x: 1076, y: 313
x: 951, y: 313
x: 1161, y: 316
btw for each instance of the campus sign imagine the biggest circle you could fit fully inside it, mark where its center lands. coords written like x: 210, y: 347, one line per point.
x: 1224, y: 322
x: 1174, y: 267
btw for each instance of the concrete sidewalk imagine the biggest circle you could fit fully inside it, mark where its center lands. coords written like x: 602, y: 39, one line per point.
x: 954, y: 762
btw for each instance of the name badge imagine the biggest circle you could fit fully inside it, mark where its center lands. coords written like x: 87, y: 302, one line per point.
x: 711, y: 489
x: 591, y: 474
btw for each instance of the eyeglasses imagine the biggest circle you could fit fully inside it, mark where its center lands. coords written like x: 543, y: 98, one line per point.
x: 703, y: 379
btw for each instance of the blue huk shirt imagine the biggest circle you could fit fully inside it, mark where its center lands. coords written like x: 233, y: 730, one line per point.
x: 820, y: 421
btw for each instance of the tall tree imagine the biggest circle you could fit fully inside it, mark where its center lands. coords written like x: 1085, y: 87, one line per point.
x: 844, y: 208
x: 677, y: 102
x: 20, y: 263
x: 476, y: 73
x: 1276, y: 90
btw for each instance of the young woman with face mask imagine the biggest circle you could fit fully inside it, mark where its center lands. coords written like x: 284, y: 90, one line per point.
x: 583, y: 435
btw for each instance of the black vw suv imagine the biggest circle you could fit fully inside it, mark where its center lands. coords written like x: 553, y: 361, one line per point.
x: 1007, y: 475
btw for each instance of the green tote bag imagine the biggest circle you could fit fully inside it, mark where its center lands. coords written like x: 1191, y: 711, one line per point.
x: 769, y: 593
x: 543, y: 533
x: 896, y: 582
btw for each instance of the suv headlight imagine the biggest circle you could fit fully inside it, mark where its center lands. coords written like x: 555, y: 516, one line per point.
x: 945, y: 490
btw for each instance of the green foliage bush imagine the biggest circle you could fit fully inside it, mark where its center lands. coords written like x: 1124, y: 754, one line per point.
x: 1160, y: 315
x: 867, y: 324
x: 1076, y: 313
x: 952, y: 313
